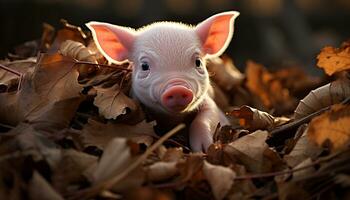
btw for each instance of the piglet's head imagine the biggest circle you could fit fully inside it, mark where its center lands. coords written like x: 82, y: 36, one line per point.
x: 169, y: 72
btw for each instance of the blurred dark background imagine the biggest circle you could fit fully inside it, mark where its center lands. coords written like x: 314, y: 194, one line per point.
x: 276, y: 33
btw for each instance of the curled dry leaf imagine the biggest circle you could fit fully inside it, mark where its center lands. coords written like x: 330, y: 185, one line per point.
x: 117, y: 156
x: 333, y: 60
x: 332, y: 127
x: 161, y: 171
x: 253, y: 152
x: 324, y: 96
x: 220, y: 179
x: 99, y: 134
x: 254, y: 119
x: 268, y: 88
x: 112, y: 102
x: 225, y: 73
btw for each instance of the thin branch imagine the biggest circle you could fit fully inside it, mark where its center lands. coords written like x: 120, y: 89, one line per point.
x: 103, y: 65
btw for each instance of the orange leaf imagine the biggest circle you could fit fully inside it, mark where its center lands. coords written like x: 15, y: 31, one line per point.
x: 332, y: 126
x: 333, y: 60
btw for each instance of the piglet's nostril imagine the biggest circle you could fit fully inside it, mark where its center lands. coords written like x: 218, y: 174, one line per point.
x: 177, y: 98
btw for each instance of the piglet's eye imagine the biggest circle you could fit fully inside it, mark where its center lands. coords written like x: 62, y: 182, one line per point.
x: 198, y: 62
x: 145, y: 66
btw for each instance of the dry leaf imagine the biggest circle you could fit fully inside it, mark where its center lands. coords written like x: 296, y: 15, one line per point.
x: 116, y: 157
x: 302, y: 150
x: 100, y: 134
x: 333, y: 60
x: 112, y: 102
x: 49, y: 96
x: 268, y: 88
x: 161, y: 171
x: 225, y: 73
x: 331, y: 127
x: 21, y: 66
x: 68, y: 32
x: 253, y: 119
x: 70, y: 169
x: 39, y: 188
x: 253, y: 152
x: 220, y: 179
x: 303, y: 85
x: 324, y: 96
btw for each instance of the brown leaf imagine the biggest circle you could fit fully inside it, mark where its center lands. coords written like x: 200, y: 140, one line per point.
x: 331, y: 127
x: 49, y: 95
x: 268, y: 88
x: 288, y: 76
x: 225, y: 73
x: 253, y: 119
x: 324, y: 96
x: 333, y: 60
x: 302, y: 150
x: 98, y: 134
x: 253, y: 152
x: 68, y: 32
x: 69, y: 171
x: 220, y: 179
x: 39, y: 188
x: 112, y: 102
x: 116, y: 157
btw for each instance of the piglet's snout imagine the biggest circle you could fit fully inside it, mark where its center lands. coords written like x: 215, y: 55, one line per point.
x: 176, y: 98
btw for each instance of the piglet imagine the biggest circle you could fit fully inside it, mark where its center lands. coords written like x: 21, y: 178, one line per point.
x: 169, y: 73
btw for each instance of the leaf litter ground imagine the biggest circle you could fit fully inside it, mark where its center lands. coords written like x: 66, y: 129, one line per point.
x: 69, y: 130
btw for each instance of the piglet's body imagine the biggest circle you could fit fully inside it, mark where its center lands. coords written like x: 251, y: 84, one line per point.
x: 169, y: 73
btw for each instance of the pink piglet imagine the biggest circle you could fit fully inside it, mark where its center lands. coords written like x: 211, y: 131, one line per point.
x: 169, y: 74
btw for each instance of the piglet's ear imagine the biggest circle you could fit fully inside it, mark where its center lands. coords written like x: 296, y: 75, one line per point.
x: 114, y: 42
x: 216, y: 32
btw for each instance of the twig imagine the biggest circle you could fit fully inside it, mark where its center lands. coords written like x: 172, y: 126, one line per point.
x: 103, y: 65
x: 20, y: 75
x: 107, y: 184
x: 278, y: 133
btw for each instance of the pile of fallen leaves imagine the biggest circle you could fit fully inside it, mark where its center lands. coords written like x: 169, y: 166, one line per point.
x: 69, y: 130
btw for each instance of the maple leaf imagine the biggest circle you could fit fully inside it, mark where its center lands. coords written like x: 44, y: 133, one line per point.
x: 333, y: 60
x: 332, y: 126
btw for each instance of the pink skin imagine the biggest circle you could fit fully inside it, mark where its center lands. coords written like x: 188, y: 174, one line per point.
x: 169, y: 74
